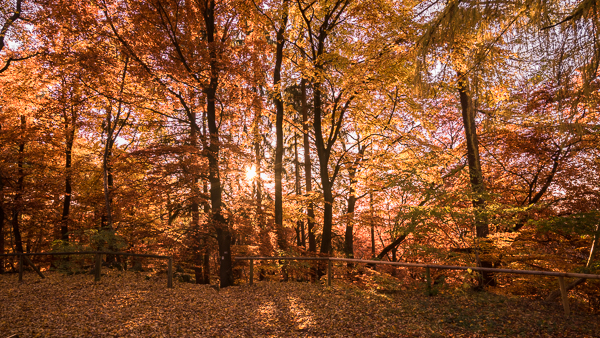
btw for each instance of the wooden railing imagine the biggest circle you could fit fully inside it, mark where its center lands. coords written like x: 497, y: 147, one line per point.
x: 97, y: 261
x: 560, y: 275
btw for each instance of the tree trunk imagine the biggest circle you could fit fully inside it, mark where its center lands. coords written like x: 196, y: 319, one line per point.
x: 112, y: 132
x: 594, y: 246
x: 300, y: 236
x: 475, y: 172
x: 205, y: 278
x: 265, y: 247
x: 331, y: 17
x: 197, y: 231
x: 206, y: 262
x: 106, y: 172
x: 69, y: 140
x: 310, y: 213
x: 324, y: 154
x: 19, y: 193
x: 349, y: 235
x: 323, y: 150
x: 218, y: 220
x: 281, y: 238
x: 393, y: 247
x: 372, y: 221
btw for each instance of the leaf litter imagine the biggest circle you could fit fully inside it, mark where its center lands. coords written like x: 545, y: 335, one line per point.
x: 129, y: 304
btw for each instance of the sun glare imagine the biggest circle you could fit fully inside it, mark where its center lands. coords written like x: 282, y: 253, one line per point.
x: 250, y: 173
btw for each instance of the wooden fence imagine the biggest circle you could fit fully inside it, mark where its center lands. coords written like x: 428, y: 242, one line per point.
x: 560, y: 275
x: 97, y: 261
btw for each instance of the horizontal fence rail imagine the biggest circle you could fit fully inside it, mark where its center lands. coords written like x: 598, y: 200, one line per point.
x: 473, y: 268
x: 97, y: 261
x: 560, y: 275
x: 82, y: 253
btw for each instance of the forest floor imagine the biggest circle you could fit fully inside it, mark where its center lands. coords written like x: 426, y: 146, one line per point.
x: 129, y: 304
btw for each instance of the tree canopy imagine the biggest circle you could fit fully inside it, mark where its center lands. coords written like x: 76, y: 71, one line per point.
x: 461, y: 132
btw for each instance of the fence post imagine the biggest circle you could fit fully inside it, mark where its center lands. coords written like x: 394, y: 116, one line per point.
x: 329, y: 272
x: 428, y: 278
x: 170, y: 273
x: 251, y: 281
x: 98, y: 259
x: 564, y: 295
x: 20, y: 268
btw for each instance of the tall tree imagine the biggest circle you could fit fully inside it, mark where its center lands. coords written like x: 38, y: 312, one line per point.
x: 71, y: 100
x: 199, y: 63
x: 318, y: 31
x: 113, y: 125
x: 310, y: 213
x: 8, y: 23
x: 220, y: 223
x: 352, y: 199
x: 18, y: 199
x: 277, y: 98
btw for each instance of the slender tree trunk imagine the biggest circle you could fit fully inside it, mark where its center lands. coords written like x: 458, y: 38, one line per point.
x: 594, y: 246
x: 206, y: 261
x: 281, y: 235
x: 475, y: 172
x: 69, y: 140
x: 349, y: 235
x: 107, y: 179
x: 106, y: 170
x: 260, y: 215
x: 265, y: 246
x: 219, y: 221
x: 198, y: 236
x: 281, y: 238
x: 112, y: 132
x: 205, y: 242
x: 372, y: 224
x: 310, y: 213
x: 300, y: 236
x: 16, y: 212
x: 107, y: 226
x: 258, y: 182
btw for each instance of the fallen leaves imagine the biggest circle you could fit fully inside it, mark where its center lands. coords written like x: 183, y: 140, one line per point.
x: 125, y: 304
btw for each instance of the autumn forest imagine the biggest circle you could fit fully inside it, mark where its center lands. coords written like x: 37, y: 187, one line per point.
x: 458, y: 132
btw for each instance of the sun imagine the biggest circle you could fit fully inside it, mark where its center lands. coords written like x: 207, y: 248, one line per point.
x: 250, y: 173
